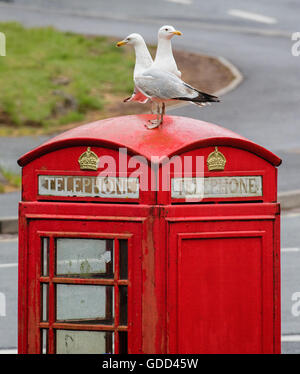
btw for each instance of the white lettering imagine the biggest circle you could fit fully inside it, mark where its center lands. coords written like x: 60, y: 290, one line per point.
x: 296, y: 305
x: 89, y: 186
x: 296, y: 46
x: 2, y: 44
x: 213, y: 187
x: 2, y: 305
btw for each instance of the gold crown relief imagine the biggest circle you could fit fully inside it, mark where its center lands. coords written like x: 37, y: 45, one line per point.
x: 216, y: 160
x: 88, y: 160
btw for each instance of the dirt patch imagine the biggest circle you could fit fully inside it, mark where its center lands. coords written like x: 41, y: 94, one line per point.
x: 206, y: 73
x: 5, y: 118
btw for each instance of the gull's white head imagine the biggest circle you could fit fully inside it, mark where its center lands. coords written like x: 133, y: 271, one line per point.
x: 132, y: 39
x: 167, y: 32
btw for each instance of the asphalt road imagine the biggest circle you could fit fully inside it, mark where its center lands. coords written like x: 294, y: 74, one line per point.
x: 265, y: 107
x: 290, y: 278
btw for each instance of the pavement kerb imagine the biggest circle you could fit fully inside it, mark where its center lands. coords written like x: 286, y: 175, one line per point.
x: 289, y: 200
x: 8, y: 225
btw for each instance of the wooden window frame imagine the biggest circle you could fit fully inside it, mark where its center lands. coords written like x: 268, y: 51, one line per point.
x: 52, y: 280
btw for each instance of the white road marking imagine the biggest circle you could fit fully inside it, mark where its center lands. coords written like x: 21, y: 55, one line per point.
x: 290, y: 249
x: 8, y: 351
x: 290, y: 215
x: 11, y: 265
x: 185, y: 2
x: 8, y: 240
x: 252, y: 16
x: 290, y: 338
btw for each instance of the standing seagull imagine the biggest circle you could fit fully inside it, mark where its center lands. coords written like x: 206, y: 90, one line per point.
x: 161, y: 86
x: 164, y: 59
x: 143, y: 61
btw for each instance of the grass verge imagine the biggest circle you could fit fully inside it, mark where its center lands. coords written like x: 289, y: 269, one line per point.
x: 50, y: 78
x: 9, y: 181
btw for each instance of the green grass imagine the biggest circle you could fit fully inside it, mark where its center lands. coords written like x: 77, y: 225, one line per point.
x: 13, y: 179
x: 50, y: 78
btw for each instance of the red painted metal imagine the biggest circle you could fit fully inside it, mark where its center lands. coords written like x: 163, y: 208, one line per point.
x: 176, y: 135
x: 203, y: 277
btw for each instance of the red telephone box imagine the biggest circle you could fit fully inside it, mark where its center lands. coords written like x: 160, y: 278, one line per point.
x: 149, y: 241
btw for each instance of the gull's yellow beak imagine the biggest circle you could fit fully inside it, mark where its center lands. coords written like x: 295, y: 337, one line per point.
x: 122, y: 42
x: 176, y: 32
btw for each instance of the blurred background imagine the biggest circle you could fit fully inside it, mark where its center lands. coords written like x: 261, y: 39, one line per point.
x: 62, y: 69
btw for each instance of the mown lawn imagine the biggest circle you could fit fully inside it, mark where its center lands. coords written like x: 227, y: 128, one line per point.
x: 9, y: 181
x: 50, y: 78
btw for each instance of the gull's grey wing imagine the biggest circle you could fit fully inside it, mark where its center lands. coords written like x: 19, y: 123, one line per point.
x: 163, y: 85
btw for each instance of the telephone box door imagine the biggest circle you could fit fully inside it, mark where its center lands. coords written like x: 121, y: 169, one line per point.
x: 222, y: 287
x: 81, y: 286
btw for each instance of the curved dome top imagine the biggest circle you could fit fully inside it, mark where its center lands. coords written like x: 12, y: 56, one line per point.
x: 175, y: 135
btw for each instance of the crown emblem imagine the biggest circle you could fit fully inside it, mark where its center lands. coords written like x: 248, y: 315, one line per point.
x: 88, y: 160
x: 216, y: 160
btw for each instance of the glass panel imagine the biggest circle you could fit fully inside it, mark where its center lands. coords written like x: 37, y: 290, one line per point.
x: 123, y: 245
x: 123, y: 342
x: 123, y: 305
x: 44, y: 300
x: 83, y: 342
x: 84, y: 257
x: 44, y: 341
x: 84, y: 303
x: 45, y: 257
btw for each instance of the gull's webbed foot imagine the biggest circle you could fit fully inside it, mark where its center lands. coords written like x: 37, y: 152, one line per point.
x: 152, y: 124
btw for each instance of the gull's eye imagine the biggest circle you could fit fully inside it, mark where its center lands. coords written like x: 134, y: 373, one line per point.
x: 166, y: 29
x: 128, y: 39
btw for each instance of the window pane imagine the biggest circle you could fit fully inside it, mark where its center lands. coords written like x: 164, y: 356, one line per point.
x: 123, y: 305
x: 44, y: 341
x: 44, y: 301
x: 45, y: 256
x: 84, y: 303
x: 123, y: 245
x: 84, y: 257
x: 83, y: 342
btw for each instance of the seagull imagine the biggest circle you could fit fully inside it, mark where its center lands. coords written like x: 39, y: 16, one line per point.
x: 143, y: 61
x: 164, y: 59
x: 161, y: 86
x: 160, y: 81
